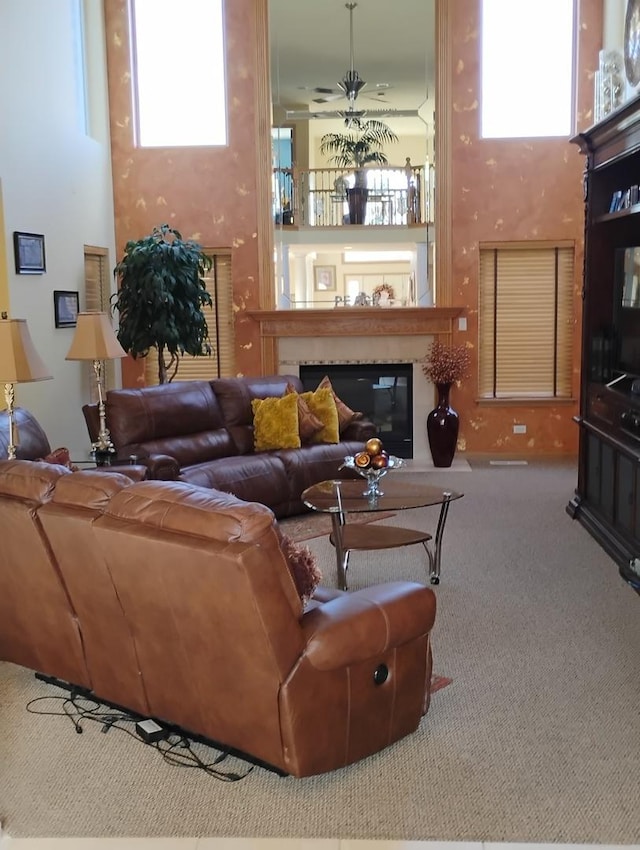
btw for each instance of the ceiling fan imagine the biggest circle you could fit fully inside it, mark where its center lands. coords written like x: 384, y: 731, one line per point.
x: 350, y: 86
x: 351, y: 83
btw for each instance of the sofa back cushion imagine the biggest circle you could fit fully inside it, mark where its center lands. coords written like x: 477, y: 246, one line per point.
x: 181, y: 419
x: 38, y: 625
x: 107, y: 637
x: 203, y: 581
x: 235, y: 396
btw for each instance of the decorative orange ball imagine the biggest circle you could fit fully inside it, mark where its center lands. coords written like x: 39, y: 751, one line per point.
x: 373, y: 446
x: 380, y: 461
x: 362, y: 460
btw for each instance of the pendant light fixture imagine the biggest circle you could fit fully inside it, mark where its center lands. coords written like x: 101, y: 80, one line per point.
x: 351, y: 83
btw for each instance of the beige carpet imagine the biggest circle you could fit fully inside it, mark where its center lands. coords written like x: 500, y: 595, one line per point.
x: 536, y: 739
x: 311, y: 525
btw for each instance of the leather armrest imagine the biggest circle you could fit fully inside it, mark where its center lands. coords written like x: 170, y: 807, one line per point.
x: 160, y: 467
x: 366, y: 623
x: 359, y: 429
x: 134, y: 471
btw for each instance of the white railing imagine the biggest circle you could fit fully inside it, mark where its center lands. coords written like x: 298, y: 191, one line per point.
x: 325, y: 197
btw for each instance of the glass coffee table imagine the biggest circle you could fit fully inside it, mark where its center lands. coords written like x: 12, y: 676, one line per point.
x: 339, y: 498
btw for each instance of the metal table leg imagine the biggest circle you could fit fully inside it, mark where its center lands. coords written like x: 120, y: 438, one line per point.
x: 436, y: 555
x: 342, y: 557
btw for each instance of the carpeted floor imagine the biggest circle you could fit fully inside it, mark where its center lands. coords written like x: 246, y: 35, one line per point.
x: 535, y: 739
x: 308, y: 526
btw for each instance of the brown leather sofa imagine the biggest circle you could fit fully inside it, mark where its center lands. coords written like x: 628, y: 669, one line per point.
x: 33, y: 444
x: 176, y: 602
x: 32, y: 440
x: 202, y: 432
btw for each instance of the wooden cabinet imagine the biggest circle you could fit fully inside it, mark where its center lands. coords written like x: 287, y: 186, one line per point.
x: 607, y: 498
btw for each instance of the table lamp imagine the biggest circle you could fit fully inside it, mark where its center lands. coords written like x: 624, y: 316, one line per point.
x: 19, y: 363
x: 95, y: 340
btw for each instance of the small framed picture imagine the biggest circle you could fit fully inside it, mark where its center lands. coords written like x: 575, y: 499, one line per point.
x: 324, y: 278
x: 29, y: 253
x: 66, y: 305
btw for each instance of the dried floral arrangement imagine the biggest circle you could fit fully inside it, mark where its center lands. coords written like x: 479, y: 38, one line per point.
x: 445, y: 364
x: 383, y: 287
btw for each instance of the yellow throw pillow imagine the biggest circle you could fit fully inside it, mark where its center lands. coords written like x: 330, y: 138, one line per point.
x: 275, y: 423
x: 322, y: 404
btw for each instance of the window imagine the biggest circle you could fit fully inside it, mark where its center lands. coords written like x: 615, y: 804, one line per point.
x: 221, y: 363
x: 527, y: 91
x: 353, y: 256
x: 178, y: 72
x: 526, y: 321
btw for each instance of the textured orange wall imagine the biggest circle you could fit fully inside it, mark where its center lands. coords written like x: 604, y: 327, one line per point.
x: 209, y: 194
x: 512, y: 190
x: 501, y: 190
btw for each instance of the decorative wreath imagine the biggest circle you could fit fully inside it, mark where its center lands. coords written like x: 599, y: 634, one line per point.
x: 383, y: 287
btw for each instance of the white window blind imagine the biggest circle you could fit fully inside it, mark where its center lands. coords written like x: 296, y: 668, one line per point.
x: 220, y: 322
x: 526, y: 321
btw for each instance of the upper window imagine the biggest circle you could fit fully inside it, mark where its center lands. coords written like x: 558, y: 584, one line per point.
x: 527, y: 68
x: 178, y: 73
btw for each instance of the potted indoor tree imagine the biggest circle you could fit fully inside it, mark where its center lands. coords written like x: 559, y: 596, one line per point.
x: 161, y: 292
x: 356, y: 150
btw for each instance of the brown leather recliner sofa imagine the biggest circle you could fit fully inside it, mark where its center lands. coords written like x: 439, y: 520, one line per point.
x: 202, y: 432
x: 33, y: 444
x: 176, y: 602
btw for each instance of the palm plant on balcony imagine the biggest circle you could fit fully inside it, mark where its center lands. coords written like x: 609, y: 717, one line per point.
x: 356, y: 150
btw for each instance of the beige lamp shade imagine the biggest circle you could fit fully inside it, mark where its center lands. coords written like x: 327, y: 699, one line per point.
x: 19, y: 360
x: 94, y: 339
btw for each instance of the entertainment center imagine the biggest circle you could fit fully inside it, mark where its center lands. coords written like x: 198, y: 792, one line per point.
x: 607, y: 498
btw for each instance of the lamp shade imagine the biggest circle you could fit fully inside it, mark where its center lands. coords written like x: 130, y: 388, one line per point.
x: 94, y: 339
x: 19, y: 360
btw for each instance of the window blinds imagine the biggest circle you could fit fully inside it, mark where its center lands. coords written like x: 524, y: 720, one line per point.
x: 526, y: 321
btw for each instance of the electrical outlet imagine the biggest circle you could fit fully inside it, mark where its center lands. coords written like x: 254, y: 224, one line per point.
x: 519, y: 429
x: 462, y: 323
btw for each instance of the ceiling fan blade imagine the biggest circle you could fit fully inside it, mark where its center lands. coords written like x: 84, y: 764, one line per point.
x: 304, y: 115
x: 328, y: 98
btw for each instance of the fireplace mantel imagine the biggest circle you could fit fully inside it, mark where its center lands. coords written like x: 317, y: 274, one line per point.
x: 348, y: 322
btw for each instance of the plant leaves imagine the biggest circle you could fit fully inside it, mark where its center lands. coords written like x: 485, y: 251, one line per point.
x: 161, y: 292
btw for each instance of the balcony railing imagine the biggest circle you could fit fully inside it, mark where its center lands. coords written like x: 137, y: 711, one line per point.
x: 319, y: 197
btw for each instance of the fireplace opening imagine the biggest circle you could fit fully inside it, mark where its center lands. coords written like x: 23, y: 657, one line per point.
x: 383, y: 392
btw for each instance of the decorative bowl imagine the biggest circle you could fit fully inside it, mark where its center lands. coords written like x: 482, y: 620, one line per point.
x: 372, y: 475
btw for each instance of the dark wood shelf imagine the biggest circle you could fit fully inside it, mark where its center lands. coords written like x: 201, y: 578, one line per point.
x: 607, y: 498
x: 634, y: 210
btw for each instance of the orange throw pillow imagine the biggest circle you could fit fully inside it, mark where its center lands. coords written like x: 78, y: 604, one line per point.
x: 345, y: 414
x: 308, y: 423
x: 302, y: 565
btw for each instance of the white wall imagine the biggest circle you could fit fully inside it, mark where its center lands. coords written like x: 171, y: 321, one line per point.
x: 613, y: 24
x: 56, y: 180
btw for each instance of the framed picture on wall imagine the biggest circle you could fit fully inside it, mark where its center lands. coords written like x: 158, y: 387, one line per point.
x: 29, y: 253
x: 66, y: 305
x: 324, y: 278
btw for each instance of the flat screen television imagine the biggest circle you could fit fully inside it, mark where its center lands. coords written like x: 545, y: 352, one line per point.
x: 627, y: 310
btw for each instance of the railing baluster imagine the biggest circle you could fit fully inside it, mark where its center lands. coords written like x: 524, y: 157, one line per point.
x: 317, y: 197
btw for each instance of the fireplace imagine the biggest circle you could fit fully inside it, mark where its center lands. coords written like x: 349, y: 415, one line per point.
x: 382, y: 391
